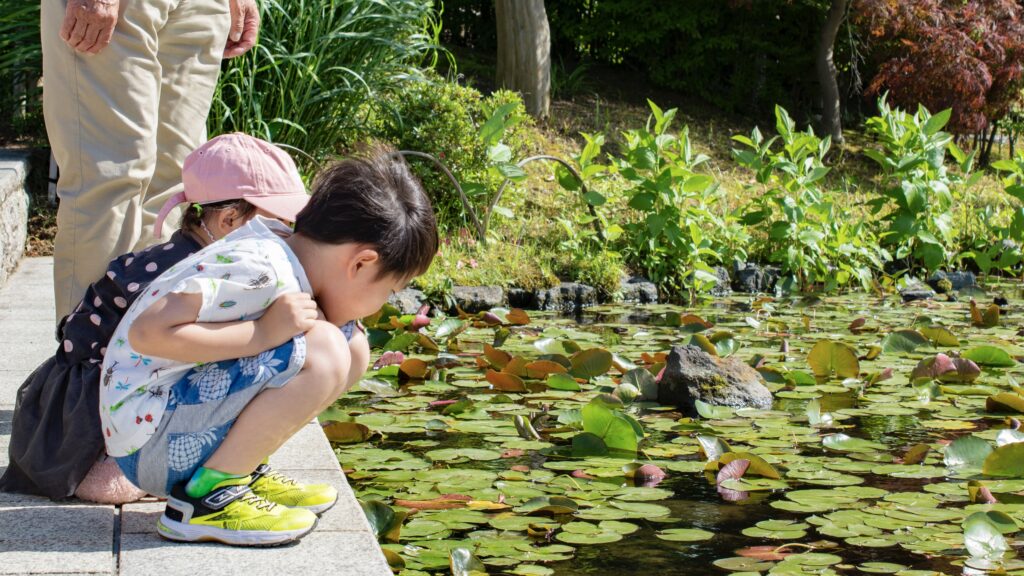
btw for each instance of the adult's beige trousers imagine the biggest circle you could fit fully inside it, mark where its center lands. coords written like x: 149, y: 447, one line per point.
x: 120, y: 124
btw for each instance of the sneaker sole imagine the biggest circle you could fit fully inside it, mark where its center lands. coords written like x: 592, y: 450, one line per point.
x: 320, y: 508
x: 181, y: 532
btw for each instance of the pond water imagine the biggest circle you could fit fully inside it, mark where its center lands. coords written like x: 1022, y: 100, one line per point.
x: 827, y: 490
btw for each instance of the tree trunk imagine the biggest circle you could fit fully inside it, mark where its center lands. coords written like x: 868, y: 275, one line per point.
x: 831, y: 116
x: 986, y: 155
x: 524, y: 52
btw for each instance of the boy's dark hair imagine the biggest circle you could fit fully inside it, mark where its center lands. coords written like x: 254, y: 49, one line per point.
x: 192, y: 216
x: 373, y: 198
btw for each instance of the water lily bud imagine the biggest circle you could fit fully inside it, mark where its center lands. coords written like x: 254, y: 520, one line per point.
x: 421, y: 319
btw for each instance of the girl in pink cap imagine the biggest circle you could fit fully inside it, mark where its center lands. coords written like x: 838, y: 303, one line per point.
x: 56, y: 447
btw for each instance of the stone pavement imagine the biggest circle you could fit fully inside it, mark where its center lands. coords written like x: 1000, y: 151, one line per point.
x: 38, y: 536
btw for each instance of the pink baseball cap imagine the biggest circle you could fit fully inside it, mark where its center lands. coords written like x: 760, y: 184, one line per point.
x: 238, y: 166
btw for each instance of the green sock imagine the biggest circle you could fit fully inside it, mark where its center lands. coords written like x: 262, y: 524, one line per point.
x: 205, y: 479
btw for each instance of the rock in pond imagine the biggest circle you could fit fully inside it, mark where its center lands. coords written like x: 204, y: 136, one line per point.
x: 407, y: 300
x: 753, y: 278
x: 478, y: 298
x: 915, y: 290
x: 943, y: 282
x: 723, y: 285
x: 638, y: 289
x: 567, y: 297
x: 693, y: 374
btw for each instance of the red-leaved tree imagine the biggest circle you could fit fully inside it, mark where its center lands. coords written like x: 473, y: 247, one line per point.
x: 967, y: 56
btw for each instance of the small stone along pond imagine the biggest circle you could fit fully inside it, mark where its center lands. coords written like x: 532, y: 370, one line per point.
x: 878, y: 438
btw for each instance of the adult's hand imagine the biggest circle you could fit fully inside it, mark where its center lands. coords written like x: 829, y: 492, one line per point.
x: 89, y: 24
x: 245, y: 23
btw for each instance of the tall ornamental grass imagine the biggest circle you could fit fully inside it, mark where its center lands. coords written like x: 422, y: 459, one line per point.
x: 21, y: 66
x: 316, y: 63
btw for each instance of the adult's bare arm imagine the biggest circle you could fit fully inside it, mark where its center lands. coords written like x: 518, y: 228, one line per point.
x: 89, y: 24
x: 245, y: 25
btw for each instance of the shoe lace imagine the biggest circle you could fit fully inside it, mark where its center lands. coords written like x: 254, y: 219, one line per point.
x: 258, y: 502
x: 278, y: 477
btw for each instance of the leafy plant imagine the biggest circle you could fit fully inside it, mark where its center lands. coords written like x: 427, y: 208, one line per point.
x: 801, y: 227
x: 445, y: 119
x: 678, y: 233
x: 917, y: 193
x: 316, y: 64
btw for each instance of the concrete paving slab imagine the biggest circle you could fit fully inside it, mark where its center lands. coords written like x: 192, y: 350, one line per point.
x: 335, y: 553
x: 52, y: 538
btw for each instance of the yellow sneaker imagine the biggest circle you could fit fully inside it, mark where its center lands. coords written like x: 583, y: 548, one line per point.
x: 232, y: 514
x: 276, y: 487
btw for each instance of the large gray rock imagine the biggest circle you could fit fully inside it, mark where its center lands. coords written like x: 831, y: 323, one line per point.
x: 408, y: 300
x: 567, y: 297
x: 753, y: 278
x: 478, y: 298
x: 691, y: 373
x: 723, y: 286
x: 14, y: 167
x: 915, y: 290
x: 943, y: 282
x: 639, y: 290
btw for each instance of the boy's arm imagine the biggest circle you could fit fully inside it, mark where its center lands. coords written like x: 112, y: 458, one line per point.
x: 168, y: 329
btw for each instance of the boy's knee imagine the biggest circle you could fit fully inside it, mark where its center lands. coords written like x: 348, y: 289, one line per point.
x: 327, y: 356
x: 359, y: 353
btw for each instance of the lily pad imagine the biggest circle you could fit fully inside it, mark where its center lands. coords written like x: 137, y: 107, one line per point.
x: 1006, y: 460
x: 684, y: 535
x: 844, y: 443
x: 903, y: 342
x: 983, y: 538
x: 590, y: 363
x: 990, y: 356
x: 828, y: 358
x: 967, y: 452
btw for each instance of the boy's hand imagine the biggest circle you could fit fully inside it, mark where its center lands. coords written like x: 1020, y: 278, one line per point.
x: 291, y: 314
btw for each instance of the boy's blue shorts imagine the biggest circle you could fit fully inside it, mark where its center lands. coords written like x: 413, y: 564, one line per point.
x: 201, y: 408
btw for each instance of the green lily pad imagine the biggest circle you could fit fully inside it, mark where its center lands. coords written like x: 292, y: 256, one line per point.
x: 594, y: 538
x: 967, y: 452
x: 983, y: 538
x: 742, y: 564
x: 590, y: 363
x: 562, y: 381
x: 903, y: 342
x: 990, y: 356
x: 456, y: 454
x: 1006, y: 460
x: 828, y: 358
x: 843, y: 443
x: 940, y: 336
x: 684, y: 535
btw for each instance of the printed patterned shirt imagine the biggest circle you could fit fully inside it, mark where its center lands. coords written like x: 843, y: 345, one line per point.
x: 238, y: 278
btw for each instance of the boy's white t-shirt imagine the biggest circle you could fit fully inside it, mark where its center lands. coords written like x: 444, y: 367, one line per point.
x: 238, y: 277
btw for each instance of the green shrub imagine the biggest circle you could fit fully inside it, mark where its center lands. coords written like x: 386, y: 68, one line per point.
x: 443, y: 119
x: 918, y: 189
x: 679, y: 229
x: 320, y: 66
x: 802, y: 228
